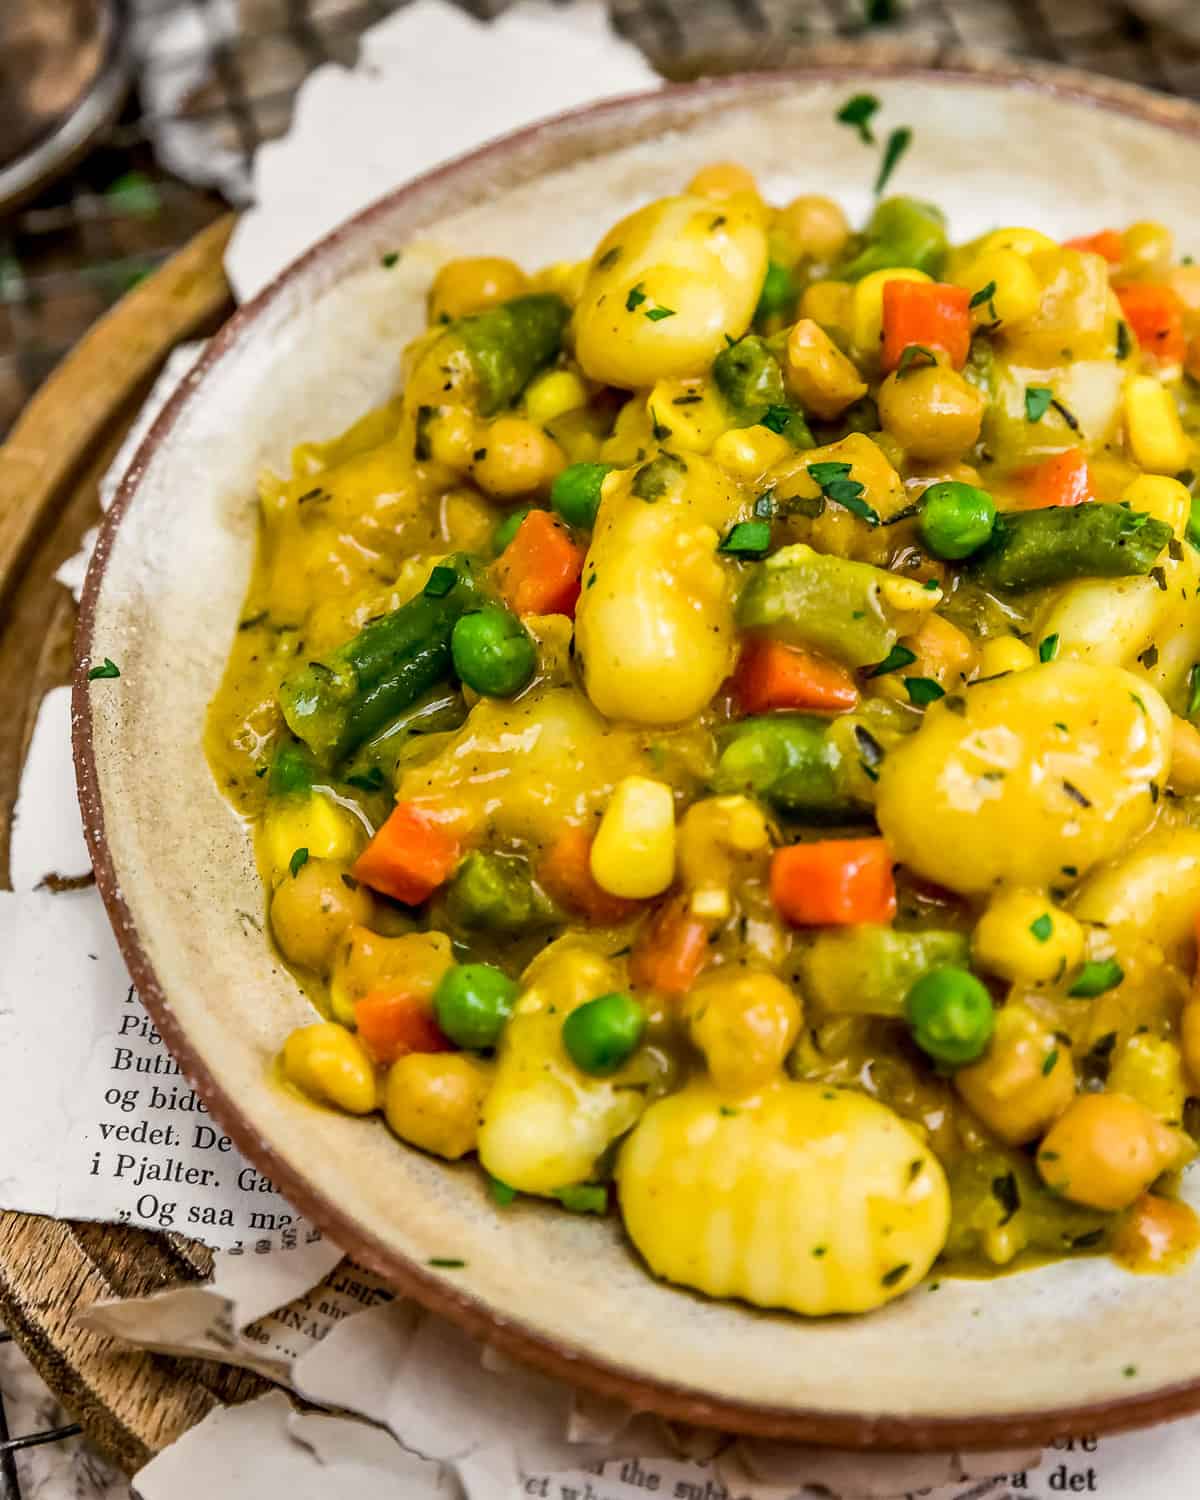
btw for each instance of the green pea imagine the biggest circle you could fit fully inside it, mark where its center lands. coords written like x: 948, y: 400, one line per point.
x: 575, y: 494
x: 951, y: 1016
x: 492, y: 652
x: 472, y: 1004
x: 508, y: 528
x: 956, y: 518
x: 778, y: 295
x: 600, y: 1034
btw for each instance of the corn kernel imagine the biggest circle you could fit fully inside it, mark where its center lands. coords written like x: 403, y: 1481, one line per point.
x: 1022, y: 937
x: 1005, y: 654
x: 314, y: 823
x: 1147, y: 248
x: 866, y: 328
x: 552, y: 394
x: 750, y: 451
x: 817, y: 373
x: 633, y: 853
x: 1150, y: 1070
x: 329, y: 1064
x: 1024, y: 241
x: 1018, y: 292
x: 744, y: 1022
x: 1163, y: 498
x: 1152, y: 426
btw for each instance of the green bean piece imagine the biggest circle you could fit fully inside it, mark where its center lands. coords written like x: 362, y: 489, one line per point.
x: 493, y: 652
x: 472, y: 1004
x: 496, y: 893
x: 509, y: 343
x: 334, y: 704
x: 291, y: 772
x: 575, y: 494
x: 902, y: 232
x: 787, y: 759
x: 779, y: 293
x: 748, y: 376
x: 869, y: 970
x: 508, y: 528
x: 1034, y: 548
x: 814, y: 599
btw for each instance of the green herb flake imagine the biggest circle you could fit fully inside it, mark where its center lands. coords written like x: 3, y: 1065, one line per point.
x: 446, y: 1262
x: 635, y: 299
x: 1037, y: 402
x: 747, y: 539
x: 1124, y: 342
x: 367, y: 781
x: 1068, y: 417
x: 914, y: 357
x: 502, y: 1194
x: 897, y: 144
x: 858, y: 112
x: 583, y: 1198
x: 1048, y: 648
x: 389, y: 260
x: 1097, y: 977
x: 1048, y: 1062
x: 1042, y: 927
x: 109, y: 668
x: 819, y: 1250
x: 897, y: 1273
x: 1193, y: 689
x: 899, y: 656
x: 297, y: 862
x: 931, y: 585
x: 982, y: 296
x: 1129, y: 1371
x: 657, y: 314
x: 776, y: 419
x: 440, y: 582
x: 923, y: 691
x: 728, y: 1110
x: 609, y: 259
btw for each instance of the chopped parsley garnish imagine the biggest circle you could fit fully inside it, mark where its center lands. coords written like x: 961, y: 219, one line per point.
x: 1075, y: 794
x: 447, y: 1262
x: 1097, y: 977
x: 890, y: 1278
x: 1129, y: 1371
x: 728, y: 1110
x: 1087, y: 1241
x: 440, y: 582
x: 1068, y: 417
x: 1037, y: 402
x: 1149, y: 657
x: 820, y: 1250
x: 1007, y: 1194
x: 923, y: 690
x: 899, y: 656
x: 297, y: 862
x: 747, y: 539
x: 658, y: 430
x: 985, y: 297
x: 776, y: 419
x: 858, y: 112
x: 1048, y: 1062
x: 583, y: 1198
x: 1124, y: 342
x: 609, y: 259
x: 1193, y: 690
x: 366, y: 781
x: 635, y: 299
x: 897, y: 144
x: 871, y: 753
x: 108, y: 668
x: 502, y: 1194
x: 657, y: 314
x: 1048, y: 647
x: 914, y: 357
x: 389, y: 260
x: 1042, y: 927
x: 836, y: 485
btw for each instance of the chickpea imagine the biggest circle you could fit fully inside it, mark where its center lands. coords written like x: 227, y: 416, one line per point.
x: 829, y: 303
x: 814, y: 226
x: 312, y: 909
x: 433, y: 1100
x: 1024, y: 1081
x: 1023, y: 937
x: 932, y: 411
x: 330, y: 1064
x: 745, y: 1023
x: 1105, y: 1151
x: 716, y: 834
x: 818, y: 374
x: 517, y: 459
x: 452, y: 436
x: 1148, y: 249
x: 469, y: 285
x: 943, y: 651
x: 723, y: 179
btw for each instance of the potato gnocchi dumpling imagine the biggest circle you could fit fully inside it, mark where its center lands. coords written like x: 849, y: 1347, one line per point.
x: 722, y: 741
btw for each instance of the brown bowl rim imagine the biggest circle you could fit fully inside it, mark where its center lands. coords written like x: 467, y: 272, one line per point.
x: 845, y: 1429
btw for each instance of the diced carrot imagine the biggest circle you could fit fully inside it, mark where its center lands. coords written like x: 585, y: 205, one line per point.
x: 392, y: 1023
x: 539, y: 570
x: 930, y: 314
x: 1155, y: 313
x: 566, y: 874
x: 1063, y: 479
x: 835, y: 882
x: 670, y: 951
x: 1106, y: 243
x: 771, y: 674
x: 408, y: 858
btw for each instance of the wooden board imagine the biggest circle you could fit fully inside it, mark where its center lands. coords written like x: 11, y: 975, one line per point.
x: 130, y: 1404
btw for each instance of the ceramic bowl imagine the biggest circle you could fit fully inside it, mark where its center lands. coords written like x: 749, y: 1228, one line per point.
x: 1077, y: 1346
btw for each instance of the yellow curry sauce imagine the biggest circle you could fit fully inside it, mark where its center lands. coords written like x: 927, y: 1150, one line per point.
x: 720, y: 742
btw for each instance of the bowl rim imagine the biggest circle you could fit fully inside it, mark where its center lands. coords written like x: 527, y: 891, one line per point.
x: 833, y: 62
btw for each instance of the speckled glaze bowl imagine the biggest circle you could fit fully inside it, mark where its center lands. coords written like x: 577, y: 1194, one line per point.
x: 1079, y: 1346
